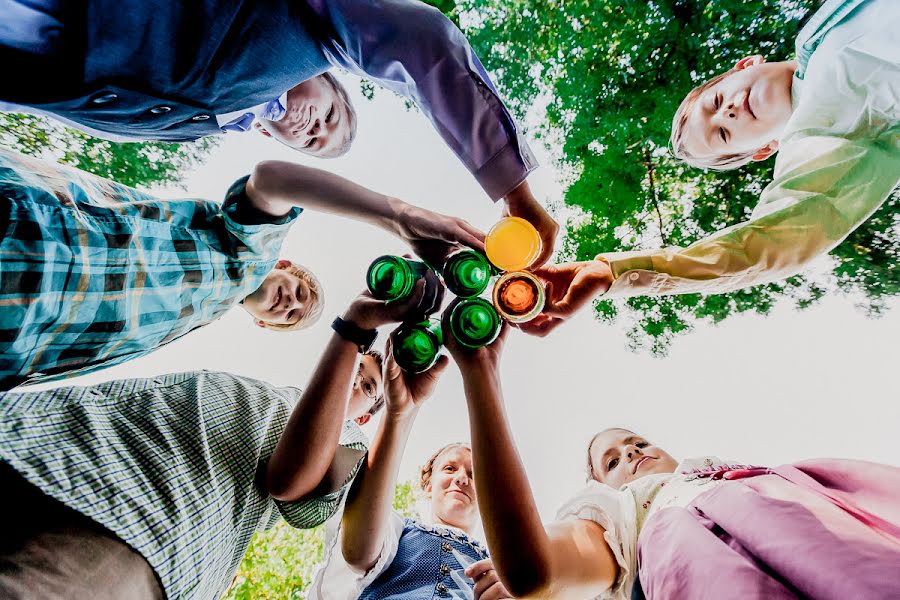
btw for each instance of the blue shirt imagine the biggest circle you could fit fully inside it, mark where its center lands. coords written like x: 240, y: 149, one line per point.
x: 154, y: 69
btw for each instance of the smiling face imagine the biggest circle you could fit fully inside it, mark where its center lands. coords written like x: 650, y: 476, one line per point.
x: 734, y: 119
x: 451, y: 489
x: 318, y: 119
x: 290, y: 295
x: 619, y: 456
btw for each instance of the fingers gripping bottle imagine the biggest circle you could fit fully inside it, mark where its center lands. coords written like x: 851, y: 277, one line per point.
x: 393, y: 279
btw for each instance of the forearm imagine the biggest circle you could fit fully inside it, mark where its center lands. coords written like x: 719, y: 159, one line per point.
x: 513, y: 528
x: 367, y: 513
x: 824, y: 189
x: 275, y: 187
x: 308, y: 443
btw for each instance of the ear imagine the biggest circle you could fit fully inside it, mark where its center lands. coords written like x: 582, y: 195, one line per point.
x: 749, y: 61
x: 428, y: 490
x: 283, y: 264
x: 766, y: 151
x: 363, y: 419
x: 258, y: 127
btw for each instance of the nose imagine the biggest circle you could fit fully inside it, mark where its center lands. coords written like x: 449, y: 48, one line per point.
x: 632, y: 451
x: 462, y: 478
x: 291, y: 301
x: 314, y: 127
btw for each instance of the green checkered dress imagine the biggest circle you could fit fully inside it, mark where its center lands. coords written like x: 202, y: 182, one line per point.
x: 168, y: 464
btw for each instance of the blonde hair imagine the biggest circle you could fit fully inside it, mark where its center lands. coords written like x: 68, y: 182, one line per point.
x: 726, y: 162
x: 317, y: 299
x: 428, y: 467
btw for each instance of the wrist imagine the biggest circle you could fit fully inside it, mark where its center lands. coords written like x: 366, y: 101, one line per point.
x: 360, y: 317
x: 398, y: 212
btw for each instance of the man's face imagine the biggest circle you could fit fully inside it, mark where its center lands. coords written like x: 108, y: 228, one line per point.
x: 367, y: 388
x: 316, y: 120
x: 620, y: 456
x: 283, y: 297
x: 744, y: 112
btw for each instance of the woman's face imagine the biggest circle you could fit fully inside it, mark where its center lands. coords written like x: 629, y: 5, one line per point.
x: 620, y: 456
x: 452, y: 489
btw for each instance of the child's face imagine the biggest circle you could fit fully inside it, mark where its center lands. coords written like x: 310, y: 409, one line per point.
x: 620, y: 456
x: 744, y: 112
x: 283, y: 298
x: 452, y: 488
x: 367, y: 388
x: 316, y: 120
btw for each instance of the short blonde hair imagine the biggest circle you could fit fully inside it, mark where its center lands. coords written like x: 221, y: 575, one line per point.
x: 428, y: 467
x: 725, y: 162
x: 318, y: 299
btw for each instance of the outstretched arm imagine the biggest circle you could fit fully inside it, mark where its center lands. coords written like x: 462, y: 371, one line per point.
x: 368, y: 509
x: 275, y: 187
x: 309, y: 442
x: 568, y: 559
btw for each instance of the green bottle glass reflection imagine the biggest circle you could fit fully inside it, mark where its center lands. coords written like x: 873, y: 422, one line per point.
x: 392, y: 278
x: 474, y: 323
x: 467, y: 273
x: 416, y: 346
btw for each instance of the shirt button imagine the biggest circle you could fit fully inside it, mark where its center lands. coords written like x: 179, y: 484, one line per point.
x: 199, y: 117
x: 634, y: 276
x: 160, y: 110
x: 445, y: 547
x: 104, y: 98
x: 441, y: 588
x: 445, y: 570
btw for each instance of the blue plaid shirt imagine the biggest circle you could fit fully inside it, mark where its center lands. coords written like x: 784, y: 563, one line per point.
x: 168, y: 464
x: 94, y: 273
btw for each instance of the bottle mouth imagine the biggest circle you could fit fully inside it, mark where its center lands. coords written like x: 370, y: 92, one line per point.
x: 390, y: 278
x: 466, y: 273
x: 416, y: 347
x: 474, y: 323
x: 518, y: 296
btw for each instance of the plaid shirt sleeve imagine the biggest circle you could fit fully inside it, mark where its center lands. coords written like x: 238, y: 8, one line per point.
x: 312, y: 512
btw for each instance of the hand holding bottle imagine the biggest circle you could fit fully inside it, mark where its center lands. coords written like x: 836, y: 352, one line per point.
x: 432, y: 235
x: 466, y: 357
x: 367, y: 312
x: 521, y: 203
x: 405, y: 392
x: 569, y: 286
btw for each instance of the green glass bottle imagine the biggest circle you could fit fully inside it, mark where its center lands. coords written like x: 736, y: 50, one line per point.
x: 474, y: 323
x: 467, y: 273
x: 392, y: 278
x: 416, y: 346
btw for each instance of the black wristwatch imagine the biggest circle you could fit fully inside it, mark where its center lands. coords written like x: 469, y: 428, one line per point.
x: 350, y: 331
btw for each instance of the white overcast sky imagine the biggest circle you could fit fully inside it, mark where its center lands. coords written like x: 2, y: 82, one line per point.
x: 766, y: 390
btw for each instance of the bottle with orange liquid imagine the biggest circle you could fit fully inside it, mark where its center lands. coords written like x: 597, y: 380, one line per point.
x: 518, y: 296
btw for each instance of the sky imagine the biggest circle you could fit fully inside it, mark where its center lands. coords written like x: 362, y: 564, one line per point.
x: 763, y: 390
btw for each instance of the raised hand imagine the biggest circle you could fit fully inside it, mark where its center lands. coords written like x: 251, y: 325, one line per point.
x: 569, y: 286
x: 487, y: 584
x: 370, y: 313
x: 433, y: 236
x: 521, y: 203
x: 488, y: 356
x: 405, y: 392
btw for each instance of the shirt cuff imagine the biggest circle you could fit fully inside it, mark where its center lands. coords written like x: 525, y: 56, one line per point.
x: 237, y: 203
x: 506, y: 170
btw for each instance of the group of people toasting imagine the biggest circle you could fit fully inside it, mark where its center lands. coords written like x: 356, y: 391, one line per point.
x: 152, y: 488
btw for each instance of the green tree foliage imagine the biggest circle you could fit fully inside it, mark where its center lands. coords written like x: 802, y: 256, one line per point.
x: 611, y: 75
x: 138, y: 164
x: 280, y: 563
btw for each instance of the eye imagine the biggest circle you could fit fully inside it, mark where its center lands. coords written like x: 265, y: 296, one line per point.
x: 642, y: 444
x: 369, y: 389
x: 722, y: 135
x: 310, y: 142
x: 330, y: 114
x: 716, y: 101
x: 290, y: 315
x: 612, y: 464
